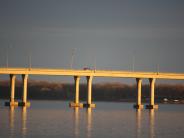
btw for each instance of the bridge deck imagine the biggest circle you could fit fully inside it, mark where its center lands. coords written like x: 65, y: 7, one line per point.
x: 95, y: 73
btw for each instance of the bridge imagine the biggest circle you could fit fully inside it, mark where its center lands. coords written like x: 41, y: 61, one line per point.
x: 89, y: 74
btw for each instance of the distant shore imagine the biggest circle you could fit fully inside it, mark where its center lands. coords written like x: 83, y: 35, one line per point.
x: 115, y: 92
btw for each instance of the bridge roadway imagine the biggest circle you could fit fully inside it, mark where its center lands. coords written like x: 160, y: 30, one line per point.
x: 94, y: 73
x: 89, y: 74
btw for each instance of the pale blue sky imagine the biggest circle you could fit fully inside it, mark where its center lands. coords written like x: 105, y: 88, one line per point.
x: 109, y: 31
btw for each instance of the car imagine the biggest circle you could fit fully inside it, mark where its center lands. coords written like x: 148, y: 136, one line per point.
x: 86, y: 68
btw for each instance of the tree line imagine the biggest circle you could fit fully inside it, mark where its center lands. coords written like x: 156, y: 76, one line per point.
x: 100, y: 92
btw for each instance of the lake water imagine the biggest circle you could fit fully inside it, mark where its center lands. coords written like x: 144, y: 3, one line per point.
x: 107, y: 120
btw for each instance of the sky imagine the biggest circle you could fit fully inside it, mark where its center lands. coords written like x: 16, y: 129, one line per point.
x: 144, y: 35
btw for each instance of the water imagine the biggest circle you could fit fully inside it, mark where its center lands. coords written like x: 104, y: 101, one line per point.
x: 107, y: 120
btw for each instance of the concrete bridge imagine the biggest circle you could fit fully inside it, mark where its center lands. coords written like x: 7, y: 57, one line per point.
x: 89, y: 74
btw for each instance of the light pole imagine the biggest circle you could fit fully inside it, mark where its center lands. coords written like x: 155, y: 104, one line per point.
x: 158, y: 68
x: 133, y: 62
x: 29, y: 59
x: 7, y: 56
x: 7, y: 59
x: 94, y: 62
x: 72, y: 58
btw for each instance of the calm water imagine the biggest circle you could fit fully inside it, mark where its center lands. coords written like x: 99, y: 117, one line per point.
x: 107, y: 120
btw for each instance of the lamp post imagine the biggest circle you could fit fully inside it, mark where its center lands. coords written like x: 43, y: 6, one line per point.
x: 7, y: 56
x: 72, y: 58
x: 29, y: 58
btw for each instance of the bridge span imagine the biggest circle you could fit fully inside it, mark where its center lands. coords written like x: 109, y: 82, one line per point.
x: 89, y: 74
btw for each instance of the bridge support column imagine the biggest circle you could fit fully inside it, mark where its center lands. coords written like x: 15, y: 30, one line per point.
x: 24, y: 96
x: 138, y: 105
x: 76, y: 102
x: 89, y: 103
x: 152, y: 95
x: 12, y: 101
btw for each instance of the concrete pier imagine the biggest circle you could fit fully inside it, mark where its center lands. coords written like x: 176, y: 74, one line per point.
x: 12, y: 101
x: 138, y: 105
x: 24, y: 101
x: 89, y: 103
x: 152, y: 95
x: 76, y: 102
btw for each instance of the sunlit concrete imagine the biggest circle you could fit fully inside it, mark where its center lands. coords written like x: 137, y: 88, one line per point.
x: 94, y: 73
x: 152, y: 95
x: 24, y: 101
x: 89, y: 103
x: 12, y: 101
x: 28, y: 104
x: 72, y: 104
x: 139, y: 105
x: 76, y: 102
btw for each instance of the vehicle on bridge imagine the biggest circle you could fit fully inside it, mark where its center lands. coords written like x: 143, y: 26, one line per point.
x: 86, y: 68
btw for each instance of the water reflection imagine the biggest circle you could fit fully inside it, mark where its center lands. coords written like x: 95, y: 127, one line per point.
x: 13, y: 126
x: 24, y: 121
x: 12, y: 120
x: 138, y: 123
x: 106, y: 121
x: 152, y: 123
x: 76, y: 122
x: 89, y: 122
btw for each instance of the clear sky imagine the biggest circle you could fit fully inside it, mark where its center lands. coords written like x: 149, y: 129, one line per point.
x: 110, y: 33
